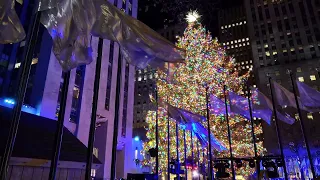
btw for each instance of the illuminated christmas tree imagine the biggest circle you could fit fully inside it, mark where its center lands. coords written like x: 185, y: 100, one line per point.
x: 183, y: 85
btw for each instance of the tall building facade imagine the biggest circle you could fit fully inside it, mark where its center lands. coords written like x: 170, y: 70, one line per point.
x: 284, y: 35
x: 43, y: 94
x: 234, y: 36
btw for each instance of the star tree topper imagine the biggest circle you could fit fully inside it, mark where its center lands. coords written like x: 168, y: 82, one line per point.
x: 192, y: 16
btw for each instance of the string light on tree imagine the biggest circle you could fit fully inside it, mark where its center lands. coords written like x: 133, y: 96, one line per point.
x: 206, y: 62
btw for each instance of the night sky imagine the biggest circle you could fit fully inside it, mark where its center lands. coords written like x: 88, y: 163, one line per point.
x: 151, y: 12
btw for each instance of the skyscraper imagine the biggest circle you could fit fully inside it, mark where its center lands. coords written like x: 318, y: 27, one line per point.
x: 234, y: 36
x: 44, y: 90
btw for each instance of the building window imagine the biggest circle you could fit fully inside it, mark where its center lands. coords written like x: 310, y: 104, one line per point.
x: 277, y: 73
x: 309, y: 116
x: 125, y: 100
x: 313, y: 77
x: 299, y: 69
x: 301, y: 79
x: 109, y: 79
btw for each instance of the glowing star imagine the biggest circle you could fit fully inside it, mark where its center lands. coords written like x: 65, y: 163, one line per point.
x: 192, y: 16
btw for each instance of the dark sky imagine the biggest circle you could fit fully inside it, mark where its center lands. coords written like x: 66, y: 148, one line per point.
x: 150, y: 11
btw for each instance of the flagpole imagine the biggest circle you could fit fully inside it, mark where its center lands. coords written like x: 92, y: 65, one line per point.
x: 168, y: 126
x: 94, y: 111
x: 192, y: 149
x: 229, y: 130
x: 116, y: 121
x: 168, y: 146
x: 302, y: 126
x: 252, y: 131
x: 177, y: 149
x: 210, y: 167
x: 198, y: 159
x: 31, y: 41
x: 157, y: 133
x: 278, y: 130
x: 185, y: 154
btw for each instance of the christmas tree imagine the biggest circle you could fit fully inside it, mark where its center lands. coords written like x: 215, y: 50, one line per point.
x: 183, y: 85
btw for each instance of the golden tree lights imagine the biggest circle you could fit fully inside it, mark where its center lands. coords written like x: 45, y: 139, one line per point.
x: 183, y: 86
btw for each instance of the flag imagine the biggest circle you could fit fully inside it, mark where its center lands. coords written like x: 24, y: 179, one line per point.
x: 69, y: 23
x: 217, y: 106
x: 262, y: 104
x: 11, y: 29
x: 192, y: 122
x: 139, y: 44
x: 286, y: 98
x: 202, y: 134
x: 239, y: 105
x: 310, y: 98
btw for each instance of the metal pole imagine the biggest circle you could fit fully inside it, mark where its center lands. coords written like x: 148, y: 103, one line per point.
x: 192, y: 149
x: 210, y: 167
x: 198, y: 159
x: 278, y: 130
x: 303, y: 127
x: 157, y: 134
x: 21, y: 90
x: 168, y: 126
x: 185, y: 154
x: 229, y: 131
x: 59, y: 129
x: 94, y: 111
x: 177, y: 149
x: 252, y: 132
x: 116, y: 122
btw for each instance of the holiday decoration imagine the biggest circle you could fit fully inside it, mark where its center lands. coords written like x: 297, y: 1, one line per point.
x: 184, y: 85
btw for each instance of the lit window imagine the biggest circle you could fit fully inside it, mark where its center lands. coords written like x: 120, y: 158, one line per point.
x: 224, y: 44
x: 266, y: 45
x: 254, y: 85
x: 225, y: 26
x: 274, y: 53
x: 139, y: 71
x: 231, y: 46
x: 267, y: 53
x: 228, y: 47
x: 248, y: 43
x: 229, y: 26
x: 242, y: 63
x: 244, y: 22
x: 313, y: 77
x: 231, y: 42
x: 247, y: 39
x: 277, y: 73
x: 232, y: 24
x: 247, y: 67
x: 243, y: 40
x: 236, y: 45
x: 17, y: 65
x: 284, y: 50
x: 250, y: 61
x: 244, y: 44
x: 297, y: 117
x: 299, y: 69
x: 150, y: 76
x: 240, y: 23
x: 221, y: 27
x: 240, y: 45
x: 227, y: 43
x: 309, y: 115
x: 292, y: 49
x: 139, y: 78
x: 235, y: 41
x: 237, y: 24
x: 301, y: 79
x: 246, y: 62
x: 145, y: 77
